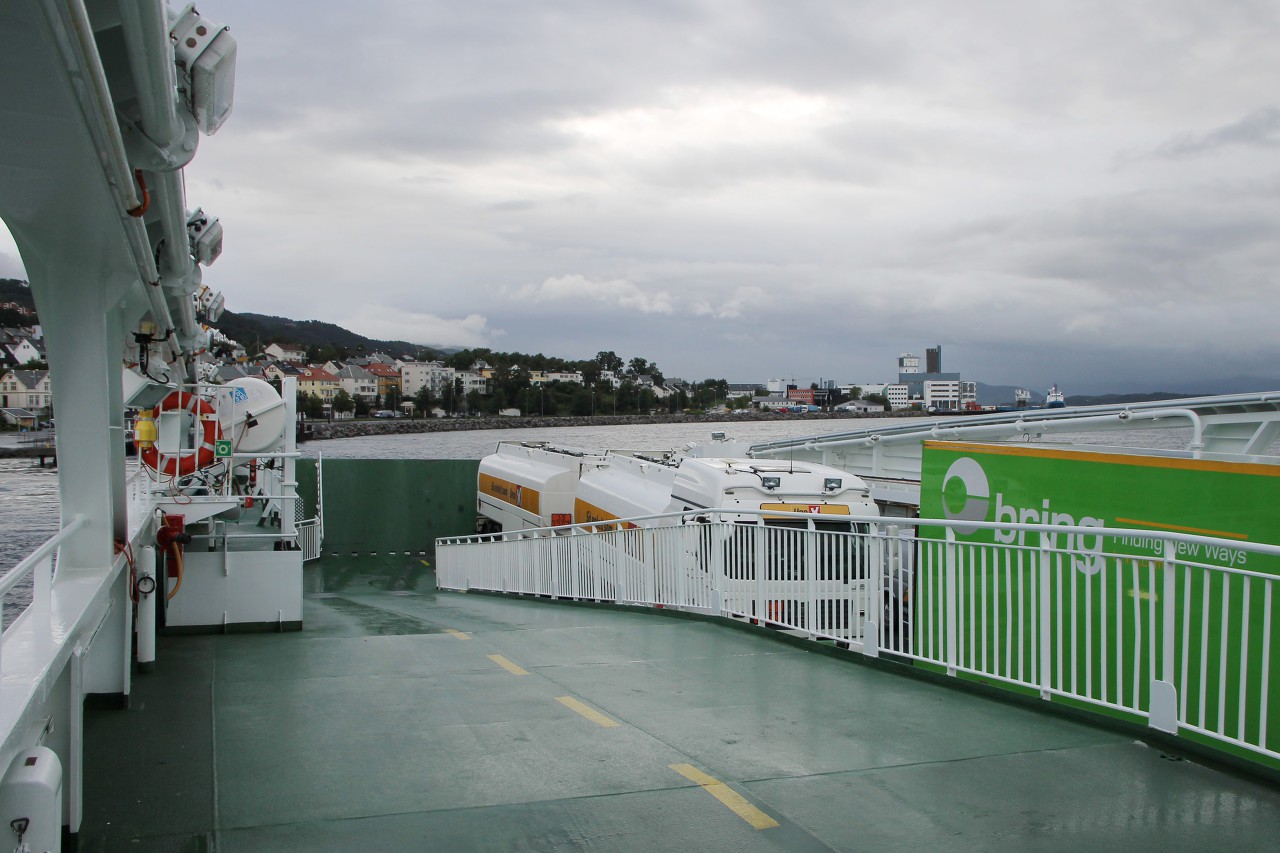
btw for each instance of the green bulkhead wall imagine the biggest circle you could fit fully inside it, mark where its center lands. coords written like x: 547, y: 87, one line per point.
x: 384, y: 505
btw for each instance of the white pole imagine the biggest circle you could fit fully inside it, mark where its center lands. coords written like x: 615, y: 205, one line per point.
x: 147, y: 609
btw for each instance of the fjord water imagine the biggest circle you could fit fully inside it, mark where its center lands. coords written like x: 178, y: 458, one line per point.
x: 474, y: 444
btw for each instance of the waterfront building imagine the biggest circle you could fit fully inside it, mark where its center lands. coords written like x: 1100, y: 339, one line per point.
x: 898, y: 395
x: 357, y: 382
x: 544, y: 377
x: 859, y: 406
x: 26, y: 389
x: 387, y: 376
x: 436, y: 377
x: 472, y: 380
x: 931, y: 389
x: 318, y: 382
x: 802, y: 395
x: 772, y: 401
x: 948, y: 394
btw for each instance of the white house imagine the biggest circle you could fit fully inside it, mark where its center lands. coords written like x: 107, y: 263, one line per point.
x: 25, y: 351
x: 357, y: 382
x: 286, y: 352
x: 25, y: 389
x: 543, y: 377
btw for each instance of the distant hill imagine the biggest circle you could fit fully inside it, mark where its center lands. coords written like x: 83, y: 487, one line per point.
x: 1234, y: 385
x: 16, y: 290
x: 255, y: 331
x: 1243, y: 385
x: 1113, y: 399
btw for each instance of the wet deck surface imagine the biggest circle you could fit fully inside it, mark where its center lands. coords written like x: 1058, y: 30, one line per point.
x: 405, y: 719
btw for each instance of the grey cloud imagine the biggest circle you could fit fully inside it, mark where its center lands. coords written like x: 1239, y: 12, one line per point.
x: 1260, y: 128
x: 11, y: 266
x: 426, y: 156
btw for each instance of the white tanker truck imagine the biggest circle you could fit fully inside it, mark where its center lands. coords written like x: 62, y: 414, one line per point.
x: 526, y: 485
x: 774, y: 569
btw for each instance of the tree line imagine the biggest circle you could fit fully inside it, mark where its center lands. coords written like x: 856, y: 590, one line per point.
x: 511, y: 387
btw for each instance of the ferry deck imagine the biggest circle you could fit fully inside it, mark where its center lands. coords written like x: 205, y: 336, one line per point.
x: 402, y: 718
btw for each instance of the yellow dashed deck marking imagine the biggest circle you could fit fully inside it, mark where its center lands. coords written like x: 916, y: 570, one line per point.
x: 425, y: 563
x: 587, y: 711
x: 459, y: 634
x: 735, y: 802
x: 507, y: 665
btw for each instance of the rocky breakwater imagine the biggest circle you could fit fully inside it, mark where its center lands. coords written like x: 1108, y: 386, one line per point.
x: 352, y: 428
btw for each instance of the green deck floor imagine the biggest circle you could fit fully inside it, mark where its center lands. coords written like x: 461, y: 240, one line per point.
x: 376, y: 728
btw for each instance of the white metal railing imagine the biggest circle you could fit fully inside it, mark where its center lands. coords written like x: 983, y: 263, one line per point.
x: 39, y: 567
x: 309, y: 538
x: 1171, y: 638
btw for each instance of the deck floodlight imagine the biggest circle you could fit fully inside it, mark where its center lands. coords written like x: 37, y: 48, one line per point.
x: 771, y: 483
x: 832, y: 484
x: 204, y: 233
x: 209, y: 302
x: 206, y: 57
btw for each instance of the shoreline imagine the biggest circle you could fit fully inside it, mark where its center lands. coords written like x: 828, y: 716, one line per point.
x: 320, y: 430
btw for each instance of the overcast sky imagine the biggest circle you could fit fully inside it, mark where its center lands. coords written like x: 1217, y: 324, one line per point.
x: 1077, y: 192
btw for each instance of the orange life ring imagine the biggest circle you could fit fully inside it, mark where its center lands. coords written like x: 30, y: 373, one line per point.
x: 186, y: 462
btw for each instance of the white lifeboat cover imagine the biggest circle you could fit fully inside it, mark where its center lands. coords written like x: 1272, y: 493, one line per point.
x: 253, y: 415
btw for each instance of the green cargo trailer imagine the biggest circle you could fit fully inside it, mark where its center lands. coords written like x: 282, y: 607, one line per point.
x: 1084, y: 620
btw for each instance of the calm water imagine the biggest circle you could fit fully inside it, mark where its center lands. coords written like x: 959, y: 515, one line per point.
x: 478, y: 443
x: 28, y: 516
x: 29, y: 494
x: 474, y: 444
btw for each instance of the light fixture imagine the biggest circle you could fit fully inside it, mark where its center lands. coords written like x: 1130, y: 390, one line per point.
x: 771, y: 483
x: 209, y: 302
x: 831, y: 484
x: 204, y: 234
x: 205, y: 54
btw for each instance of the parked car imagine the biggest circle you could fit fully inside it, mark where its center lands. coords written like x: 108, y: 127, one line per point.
x: 384, y: 413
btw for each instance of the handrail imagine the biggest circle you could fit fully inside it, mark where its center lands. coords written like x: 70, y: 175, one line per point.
x: 1030, y: 420
x: 682, y: 517
x: 39, y: 555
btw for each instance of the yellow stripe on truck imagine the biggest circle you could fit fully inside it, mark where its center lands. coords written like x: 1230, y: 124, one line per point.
x: 521, y: 497
x: 807, y: 509
x: 586, y: 513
